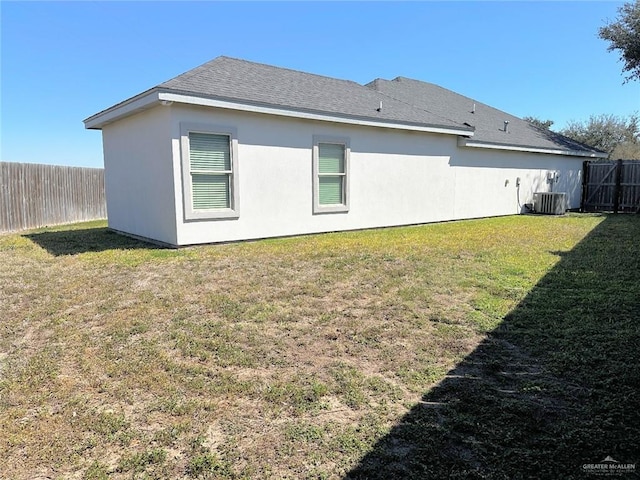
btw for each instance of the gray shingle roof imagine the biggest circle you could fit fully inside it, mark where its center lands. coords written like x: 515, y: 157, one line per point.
x: 405, y: 102
x: 487, y: 121
x: 239, y: 80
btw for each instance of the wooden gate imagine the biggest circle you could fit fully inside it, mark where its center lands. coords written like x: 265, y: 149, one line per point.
x: 611, y: 186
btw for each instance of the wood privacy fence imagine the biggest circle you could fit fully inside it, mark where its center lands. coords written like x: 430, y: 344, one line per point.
x: 33, y: 195
x: 611, y: 186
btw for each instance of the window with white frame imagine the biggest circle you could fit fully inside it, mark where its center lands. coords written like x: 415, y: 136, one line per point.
x: 331, y: 174
x: 209, y: 169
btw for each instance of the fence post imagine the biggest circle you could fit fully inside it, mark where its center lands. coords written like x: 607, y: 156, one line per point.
x: 616, y: 190
x: 585, y: 182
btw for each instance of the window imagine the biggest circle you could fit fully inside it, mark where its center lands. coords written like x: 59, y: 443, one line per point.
x: 209, y: 169
x: 331, y: 174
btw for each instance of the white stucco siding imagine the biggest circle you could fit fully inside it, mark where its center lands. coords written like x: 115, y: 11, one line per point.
x: 402, y: 188
x: 396, y: 178
x: 139, y: 175
x: 486, y: 180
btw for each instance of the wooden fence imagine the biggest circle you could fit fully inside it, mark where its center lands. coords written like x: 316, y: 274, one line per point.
x: 611, y: 186
x: 33, y: 195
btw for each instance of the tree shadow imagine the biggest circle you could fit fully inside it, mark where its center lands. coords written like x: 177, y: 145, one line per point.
x: 74, y: 241
x: 554, y: 387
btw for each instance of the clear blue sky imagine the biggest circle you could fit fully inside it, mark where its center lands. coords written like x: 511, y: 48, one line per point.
x: 64, y: 61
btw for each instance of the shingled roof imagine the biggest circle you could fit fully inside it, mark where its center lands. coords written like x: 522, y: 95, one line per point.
x: 488, y: 122
x: 248, y: 83
x: 400, y: 103
x: 255, y: 83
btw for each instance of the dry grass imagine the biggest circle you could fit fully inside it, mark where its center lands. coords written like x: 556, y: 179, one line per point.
x: 285, y: 358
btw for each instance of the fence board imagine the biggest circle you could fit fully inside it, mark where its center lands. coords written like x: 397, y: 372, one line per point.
x: 34, y: 195
x: 611, y: 186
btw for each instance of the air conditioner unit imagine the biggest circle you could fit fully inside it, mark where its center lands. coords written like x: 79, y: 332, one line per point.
x: 551, y: 203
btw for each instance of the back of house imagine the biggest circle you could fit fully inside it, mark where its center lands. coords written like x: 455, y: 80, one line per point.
x: 235, y: 150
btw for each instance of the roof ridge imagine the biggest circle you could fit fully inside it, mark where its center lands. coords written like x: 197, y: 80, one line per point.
x: 327, y: 77
x: 557, y: 136
x: 189, y: 73
x: 488, y: 120
x: 471, y: 99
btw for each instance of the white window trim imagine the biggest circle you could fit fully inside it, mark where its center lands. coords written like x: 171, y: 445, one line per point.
x: 187, y: 200
x: 317, y: 207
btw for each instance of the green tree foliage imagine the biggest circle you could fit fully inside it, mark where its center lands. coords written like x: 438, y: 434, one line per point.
x: 543, y: 124
x: 626, y: 151
x: 618, y: 136
x: 624, y: 35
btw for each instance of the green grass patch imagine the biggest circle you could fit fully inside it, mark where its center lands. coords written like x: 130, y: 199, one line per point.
x: 494, y: 348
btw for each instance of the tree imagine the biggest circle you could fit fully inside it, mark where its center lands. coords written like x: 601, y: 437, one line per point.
x: 615, y: 135
x: 624, y: 35
x: 542, y: 124
x: 626, y: 151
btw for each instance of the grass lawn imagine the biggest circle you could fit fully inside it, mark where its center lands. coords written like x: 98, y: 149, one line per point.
x: 496, y: 348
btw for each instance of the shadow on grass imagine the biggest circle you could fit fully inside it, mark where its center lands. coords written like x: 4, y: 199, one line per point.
x: 554, y: 387
x: 74, y: 241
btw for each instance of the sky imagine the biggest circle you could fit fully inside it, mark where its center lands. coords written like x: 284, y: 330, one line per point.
x: 61, y: 62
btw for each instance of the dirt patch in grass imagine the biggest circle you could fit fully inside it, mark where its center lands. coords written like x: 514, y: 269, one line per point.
x: 286, y: 358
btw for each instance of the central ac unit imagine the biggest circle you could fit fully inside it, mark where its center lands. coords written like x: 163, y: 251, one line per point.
x: 551, y: 203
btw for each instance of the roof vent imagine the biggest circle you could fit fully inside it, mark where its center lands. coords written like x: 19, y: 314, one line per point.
x: 379, y: 109
x: 506, y: 126
x: 473, y: 109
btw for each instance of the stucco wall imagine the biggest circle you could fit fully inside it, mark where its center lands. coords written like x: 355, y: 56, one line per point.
x: 396, y: 178
x: 139, y: 173
x: 485, y: 180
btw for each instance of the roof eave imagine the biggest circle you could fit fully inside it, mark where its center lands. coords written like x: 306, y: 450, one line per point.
x: 465, y: 142
x: 136, y: 104
x: 158, y: 95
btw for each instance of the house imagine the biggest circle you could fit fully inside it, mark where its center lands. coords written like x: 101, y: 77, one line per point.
x: 235, y: 150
